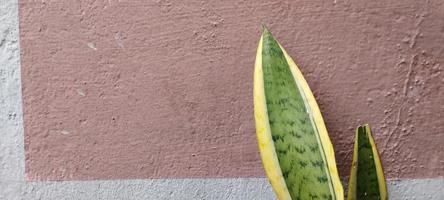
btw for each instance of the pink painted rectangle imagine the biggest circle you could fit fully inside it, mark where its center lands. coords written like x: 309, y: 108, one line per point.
x: 163, y: 89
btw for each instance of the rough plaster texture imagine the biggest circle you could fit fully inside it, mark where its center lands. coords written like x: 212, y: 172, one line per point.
x: 11, y: 123
x: 190, y: 189
x: 13, y: 185
x: 143, y: 89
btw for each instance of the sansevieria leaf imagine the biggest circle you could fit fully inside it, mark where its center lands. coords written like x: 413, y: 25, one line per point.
x: 295, y: 148
x: 367, y: 180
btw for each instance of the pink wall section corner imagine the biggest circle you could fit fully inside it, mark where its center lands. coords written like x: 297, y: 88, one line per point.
x: 164, y: 90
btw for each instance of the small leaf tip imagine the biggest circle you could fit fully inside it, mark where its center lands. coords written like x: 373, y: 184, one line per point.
x: 264, y: 28
x: 364, y: 126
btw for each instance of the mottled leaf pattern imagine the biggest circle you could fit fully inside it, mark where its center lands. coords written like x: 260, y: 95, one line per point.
x: 295, y: 136
x: 366, y: 181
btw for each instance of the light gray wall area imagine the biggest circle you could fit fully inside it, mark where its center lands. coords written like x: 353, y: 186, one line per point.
x: 180, y: 189
x: 11, y: 120
x: 13, y: 185
x: 410, y: 189
x: 224, y: 189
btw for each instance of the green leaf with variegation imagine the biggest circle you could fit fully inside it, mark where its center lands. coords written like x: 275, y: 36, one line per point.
x: 367, y: 180
x: 295, y: 148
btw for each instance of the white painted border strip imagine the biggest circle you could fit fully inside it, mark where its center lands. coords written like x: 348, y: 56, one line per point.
x: 184, y: 189
x: 180, y: 189
x: 13, y: 185
x: 11, y: 119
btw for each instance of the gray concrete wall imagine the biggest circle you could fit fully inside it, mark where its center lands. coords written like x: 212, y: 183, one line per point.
x: 13, y: 184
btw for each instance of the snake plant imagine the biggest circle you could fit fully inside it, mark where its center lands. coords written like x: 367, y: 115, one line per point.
x: 367, y: 180
x: 296, y: 151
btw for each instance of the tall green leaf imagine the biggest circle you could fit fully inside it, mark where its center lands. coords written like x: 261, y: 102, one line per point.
x: 296, y: 151
x: 367, y: 180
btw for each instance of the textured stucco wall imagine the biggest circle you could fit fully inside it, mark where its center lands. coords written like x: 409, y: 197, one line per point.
x: 13, y: 184
x: 11, y: 119
x: 156, y: 89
